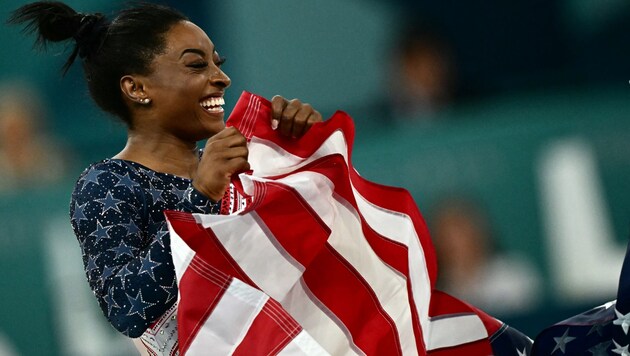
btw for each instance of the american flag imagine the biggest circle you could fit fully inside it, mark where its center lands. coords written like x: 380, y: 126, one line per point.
x: 603, y: 330
x: 321, y: 262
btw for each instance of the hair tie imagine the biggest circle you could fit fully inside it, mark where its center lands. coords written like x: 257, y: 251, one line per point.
x: 88, y: 37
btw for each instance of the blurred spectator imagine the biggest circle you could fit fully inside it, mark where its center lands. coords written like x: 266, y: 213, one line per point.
x: 28, y: 157
x: 472, y: 268
x: 423, y: 74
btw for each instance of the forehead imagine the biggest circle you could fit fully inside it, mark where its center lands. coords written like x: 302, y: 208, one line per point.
x: 186, y: 35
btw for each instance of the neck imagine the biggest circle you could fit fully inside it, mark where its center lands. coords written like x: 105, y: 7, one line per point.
x: 161, y: 153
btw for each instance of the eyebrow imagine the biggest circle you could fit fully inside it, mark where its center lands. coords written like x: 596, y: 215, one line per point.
x: 195, y: 50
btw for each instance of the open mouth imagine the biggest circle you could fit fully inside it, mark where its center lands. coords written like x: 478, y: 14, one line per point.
x: 213, y: 104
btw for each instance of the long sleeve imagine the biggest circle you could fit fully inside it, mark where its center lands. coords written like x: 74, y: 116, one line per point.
x: 117, y: 215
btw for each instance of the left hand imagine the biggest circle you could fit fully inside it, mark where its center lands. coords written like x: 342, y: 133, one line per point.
x: 292, y: 117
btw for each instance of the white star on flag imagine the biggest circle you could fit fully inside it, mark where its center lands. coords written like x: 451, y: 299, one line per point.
x: 562, y: 341
x: 623, y: 351
x: 623, y: 321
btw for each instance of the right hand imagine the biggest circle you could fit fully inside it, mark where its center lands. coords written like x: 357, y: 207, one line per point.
x: 225, y: 154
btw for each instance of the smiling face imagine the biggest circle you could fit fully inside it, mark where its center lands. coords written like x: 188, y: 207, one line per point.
x: 186, y: 85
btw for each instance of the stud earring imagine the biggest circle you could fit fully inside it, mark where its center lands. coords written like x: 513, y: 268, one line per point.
x: 145, y: 101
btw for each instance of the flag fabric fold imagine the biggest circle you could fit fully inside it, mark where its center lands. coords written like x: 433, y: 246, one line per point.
x: 321, y: 261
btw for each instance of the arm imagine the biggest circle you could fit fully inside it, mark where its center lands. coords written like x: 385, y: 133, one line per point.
x: 126, y: 253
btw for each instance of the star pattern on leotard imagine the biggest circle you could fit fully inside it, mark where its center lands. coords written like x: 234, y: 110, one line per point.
x: 78, y: 214
x: 124, y: 272
x: 101, y: 232
x: 148, y: 265
x: 109, y: 202
x: 111, y: 303
x: 156, y: 195
x: 117, y: 214
x: 160, y: 236
x: 131, y: 227
x: 91, y: 264
x: 92, y: 177
x: 171, y: 291
x: 138, y: 305
x: 107, y: 272
x: 125, y: 181
x: 179, y: 193
x: 122, y: 249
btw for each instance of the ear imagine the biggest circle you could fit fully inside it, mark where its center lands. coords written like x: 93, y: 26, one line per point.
x: 133, y: 89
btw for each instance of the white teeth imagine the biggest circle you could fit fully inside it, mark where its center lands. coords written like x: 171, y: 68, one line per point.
x: 212, y: 102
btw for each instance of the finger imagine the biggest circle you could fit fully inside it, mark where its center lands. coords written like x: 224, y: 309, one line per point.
x: 300, y: 120
x: 236, y: 152
x: 228, y: 131
x: 238, y: 165
x: 226, y: 140
x: 288, y: 117
x: 314, y: 118
x: 278, y: 103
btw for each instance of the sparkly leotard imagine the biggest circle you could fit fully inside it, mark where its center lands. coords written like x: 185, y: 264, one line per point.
x: 116, y: 212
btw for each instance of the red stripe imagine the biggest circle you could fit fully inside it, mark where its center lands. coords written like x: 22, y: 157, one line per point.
x: 336, y: 284
x: 248, y: 122
x: 481, y: 348
x: 272, y: 330
x: 200, y: 292
x: 206, y: 245
x: 293, y: 223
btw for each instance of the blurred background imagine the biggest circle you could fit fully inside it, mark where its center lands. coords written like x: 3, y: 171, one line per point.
x: 509, y: 122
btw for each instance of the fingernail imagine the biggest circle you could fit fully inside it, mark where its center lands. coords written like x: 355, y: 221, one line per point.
x: 274, y: 124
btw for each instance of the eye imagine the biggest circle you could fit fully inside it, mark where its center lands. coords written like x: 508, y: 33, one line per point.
x: 198, y: 65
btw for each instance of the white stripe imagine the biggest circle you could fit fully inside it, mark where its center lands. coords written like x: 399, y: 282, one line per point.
x: 320, y: 322
x: 303, y: 344
x: 455, y: 330
x: 399, y: 227
x: 256, y: 252
x: 268, y: 159
x: 230, y: 320
x: 181, y: 252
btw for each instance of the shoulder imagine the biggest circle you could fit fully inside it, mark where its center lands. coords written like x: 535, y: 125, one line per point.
x: 107, y: 176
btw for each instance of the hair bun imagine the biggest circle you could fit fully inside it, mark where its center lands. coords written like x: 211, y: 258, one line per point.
x: 90, y: 33
x: 54, y: 21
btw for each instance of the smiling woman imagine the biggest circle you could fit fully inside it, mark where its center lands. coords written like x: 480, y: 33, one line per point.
x: 161, y: 75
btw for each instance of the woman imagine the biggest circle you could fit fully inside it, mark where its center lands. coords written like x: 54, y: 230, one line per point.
x: 161, y: 75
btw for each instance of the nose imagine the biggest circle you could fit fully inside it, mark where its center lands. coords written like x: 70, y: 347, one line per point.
x: 220, y: 79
